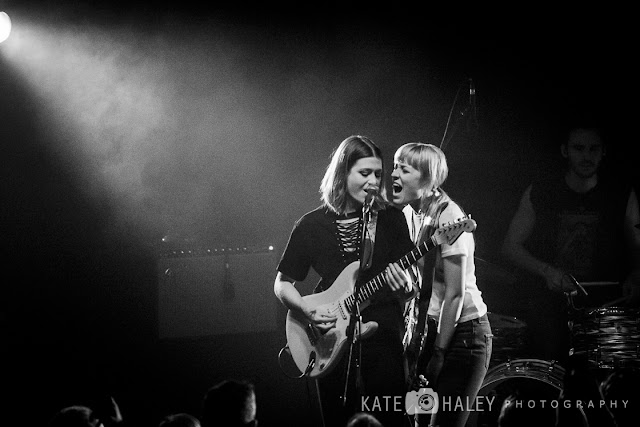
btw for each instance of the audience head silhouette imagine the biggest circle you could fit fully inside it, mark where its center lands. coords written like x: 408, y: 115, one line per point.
x: 179, y: 420
x: 229, y: 403
x: 621, y: 385
x: 363, y: 419
x: 75, y: 416
x: 515, y: 412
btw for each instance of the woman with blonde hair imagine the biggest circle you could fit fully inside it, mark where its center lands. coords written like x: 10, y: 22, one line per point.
x: 458, y: 348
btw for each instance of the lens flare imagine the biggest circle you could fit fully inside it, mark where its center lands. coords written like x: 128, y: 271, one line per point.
x: 5, y: 26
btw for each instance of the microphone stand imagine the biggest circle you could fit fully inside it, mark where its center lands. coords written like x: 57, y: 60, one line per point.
x: 356, y: 317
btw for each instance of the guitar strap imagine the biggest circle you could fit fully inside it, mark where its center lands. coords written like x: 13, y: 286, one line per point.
x: 430, y: 257
x: 425, y: 333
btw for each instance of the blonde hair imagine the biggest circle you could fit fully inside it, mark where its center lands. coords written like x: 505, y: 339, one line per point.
x: 432, y: 164
x: 334, y: 184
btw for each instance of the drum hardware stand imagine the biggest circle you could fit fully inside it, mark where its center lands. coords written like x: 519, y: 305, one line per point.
x: 572, y: 294
x: 573, y: 311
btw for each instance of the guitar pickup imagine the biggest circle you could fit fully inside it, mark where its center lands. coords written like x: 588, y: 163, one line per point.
x: 343, y: 311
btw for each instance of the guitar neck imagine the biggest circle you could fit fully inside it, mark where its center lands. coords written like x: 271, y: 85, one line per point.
x: 367, y: 290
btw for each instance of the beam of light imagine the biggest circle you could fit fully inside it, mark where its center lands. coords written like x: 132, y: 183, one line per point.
x: 185, y: 128
x: 5, y: 26
x: 153, y: 123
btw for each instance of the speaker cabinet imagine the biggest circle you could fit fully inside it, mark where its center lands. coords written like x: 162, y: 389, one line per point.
x: 216, y: 292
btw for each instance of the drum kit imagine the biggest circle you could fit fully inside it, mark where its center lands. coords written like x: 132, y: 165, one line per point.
x: 509, y: 338
x: 607, y: 336
x: 524, y: 377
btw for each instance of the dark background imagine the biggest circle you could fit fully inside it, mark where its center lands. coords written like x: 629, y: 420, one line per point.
x: 129, y: 128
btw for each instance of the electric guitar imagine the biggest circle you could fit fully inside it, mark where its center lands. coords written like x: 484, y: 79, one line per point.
x: 316, y: 353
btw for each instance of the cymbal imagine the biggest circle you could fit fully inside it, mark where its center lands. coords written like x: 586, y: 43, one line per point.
x: 600, y: 283
x: 615, y: 302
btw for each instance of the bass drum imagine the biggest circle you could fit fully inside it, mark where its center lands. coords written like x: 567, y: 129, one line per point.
x: 533, y: 380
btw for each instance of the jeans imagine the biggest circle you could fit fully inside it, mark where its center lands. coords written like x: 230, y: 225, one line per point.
x: 465, y: 365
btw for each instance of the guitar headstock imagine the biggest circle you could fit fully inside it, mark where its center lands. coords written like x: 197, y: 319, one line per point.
x: 451, y: 232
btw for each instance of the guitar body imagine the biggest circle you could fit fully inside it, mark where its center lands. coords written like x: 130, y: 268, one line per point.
x: 316, y: 354
x: 307, y: 343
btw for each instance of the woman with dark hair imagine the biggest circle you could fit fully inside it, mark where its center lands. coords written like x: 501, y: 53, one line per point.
x: 330, y: 238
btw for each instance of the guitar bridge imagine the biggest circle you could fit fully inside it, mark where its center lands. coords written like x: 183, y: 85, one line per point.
x: 312, y: 334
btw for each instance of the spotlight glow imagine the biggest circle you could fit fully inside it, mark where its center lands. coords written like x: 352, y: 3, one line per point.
x: 5, y: 26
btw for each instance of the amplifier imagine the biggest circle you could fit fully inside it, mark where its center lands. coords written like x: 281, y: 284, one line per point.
x: 216, y: 291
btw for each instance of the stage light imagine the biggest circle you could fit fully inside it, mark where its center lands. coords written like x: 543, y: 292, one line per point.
x: 5, y: 26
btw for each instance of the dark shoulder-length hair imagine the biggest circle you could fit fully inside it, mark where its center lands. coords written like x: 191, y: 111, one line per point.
x: 333, y: 189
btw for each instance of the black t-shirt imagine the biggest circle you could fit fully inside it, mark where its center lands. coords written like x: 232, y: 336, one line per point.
x: 316, y: 243
x: 580, y: 232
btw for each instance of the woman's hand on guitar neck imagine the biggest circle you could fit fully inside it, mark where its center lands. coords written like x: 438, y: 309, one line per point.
x: 398, y: 279
x: 321, y: 317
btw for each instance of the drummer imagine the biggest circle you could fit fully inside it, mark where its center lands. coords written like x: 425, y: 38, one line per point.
x: 578, y: 226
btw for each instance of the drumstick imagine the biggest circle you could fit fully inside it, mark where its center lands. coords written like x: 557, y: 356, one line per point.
x: 577, y: 285
x: 587, y: 284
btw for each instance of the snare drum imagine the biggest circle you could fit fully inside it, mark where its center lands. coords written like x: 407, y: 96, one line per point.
x: 609, y: 337
x: 509, y: 338
x: 534, y: 380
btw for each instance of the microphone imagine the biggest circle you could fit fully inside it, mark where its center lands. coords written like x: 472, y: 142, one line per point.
x: 472, y: 94
x: 472, y: 98
x: 372, y: 192
x: 365, y: 242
